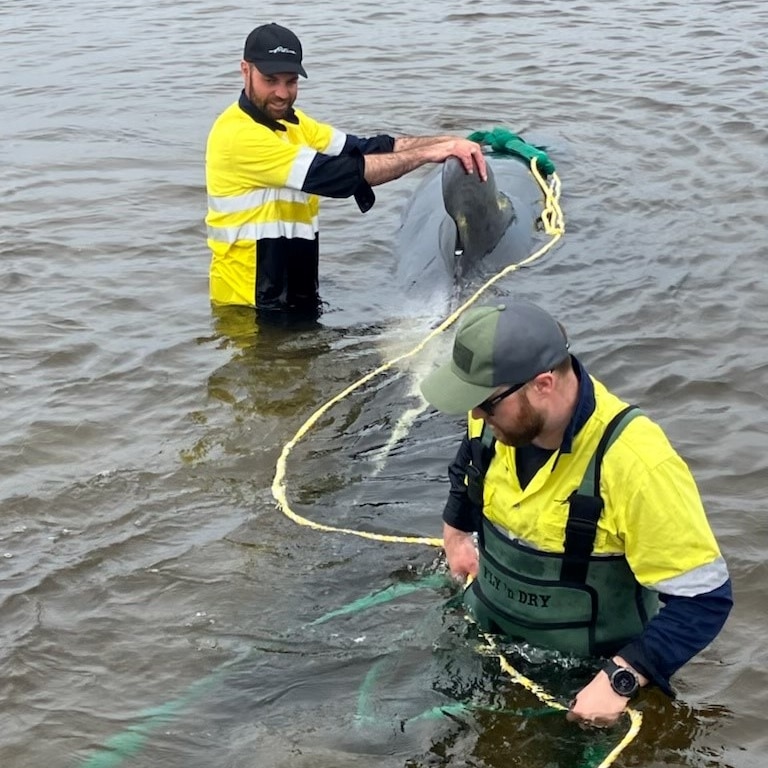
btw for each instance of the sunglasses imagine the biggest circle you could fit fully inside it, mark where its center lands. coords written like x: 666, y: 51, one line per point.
x: 488, y: 406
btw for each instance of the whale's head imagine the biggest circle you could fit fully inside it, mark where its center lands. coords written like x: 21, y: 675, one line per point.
x: 479, y: 217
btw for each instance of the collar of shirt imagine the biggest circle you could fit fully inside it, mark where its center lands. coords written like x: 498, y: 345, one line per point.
x: 259, y: 116
x: 585, y: 405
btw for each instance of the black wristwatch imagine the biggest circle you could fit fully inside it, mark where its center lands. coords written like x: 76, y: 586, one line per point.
x: 624, y: 681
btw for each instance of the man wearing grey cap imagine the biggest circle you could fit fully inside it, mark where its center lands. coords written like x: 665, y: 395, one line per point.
x: 580, y: 526
x: 267, y: 165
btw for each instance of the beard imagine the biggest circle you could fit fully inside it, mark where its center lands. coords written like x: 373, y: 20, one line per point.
x: 277, y: 109
x: 529, y: 425
x: 276, y: 112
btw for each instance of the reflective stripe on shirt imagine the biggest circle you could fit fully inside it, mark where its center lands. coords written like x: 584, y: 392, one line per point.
x: 255, y: 199
x: 264, y: 230
x: 697, y: 581
x: 299, y: 168
x: 336, y: 144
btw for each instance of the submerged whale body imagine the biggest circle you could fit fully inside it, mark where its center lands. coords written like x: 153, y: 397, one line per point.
x: 457, y: 227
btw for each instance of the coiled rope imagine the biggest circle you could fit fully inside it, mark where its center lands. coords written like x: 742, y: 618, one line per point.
x: 554, y: 225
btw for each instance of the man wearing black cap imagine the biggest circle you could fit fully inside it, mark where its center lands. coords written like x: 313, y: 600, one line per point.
x: 267, y: 164
x: 586, y: 519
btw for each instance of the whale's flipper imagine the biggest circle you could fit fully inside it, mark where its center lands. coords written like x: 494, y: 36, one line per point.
x: 480, y: 212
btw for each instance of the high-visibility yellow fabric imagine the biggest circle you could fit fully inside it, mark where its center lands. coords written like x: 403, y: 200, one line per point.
x: 254, y: 177
x: 653, y: 512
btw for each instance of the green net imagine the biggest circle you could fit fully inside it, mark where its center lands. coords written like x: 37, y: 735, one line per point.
x: 505, y: 142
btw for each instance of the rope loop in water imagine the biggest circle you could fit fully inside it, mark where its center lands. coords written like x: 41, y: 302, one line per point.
x: 553, y: 224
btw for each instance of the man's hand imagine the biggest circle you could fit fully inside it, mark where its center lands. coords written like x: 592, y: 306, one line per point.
x: 460, y: 551
x: 597, y: 703
x: 469, y: 154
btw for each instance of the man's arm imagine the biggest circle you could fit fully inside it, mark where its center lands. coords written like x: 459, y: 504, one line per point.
x: 354, y: 173
x: 414, y: 142
x: 460, y: 518
x: 384, y: 143
x: 412, y: 153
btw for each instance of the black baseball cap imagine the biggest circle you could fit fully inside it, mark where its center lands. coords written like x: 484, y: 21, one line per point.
x: 274, y: 49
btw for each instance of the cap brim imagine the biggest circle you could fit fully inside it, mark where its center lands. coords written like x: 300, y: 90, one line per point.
x: 448, y: 393
x: 279, y: 67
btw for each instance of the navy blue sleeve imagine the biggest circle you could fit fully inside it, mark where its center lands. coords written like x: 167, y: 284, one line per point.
x: 683, y: 627
x: 340, y: 176
x: 370, y: 146
x: 459, y: 511
x: 344, y: 175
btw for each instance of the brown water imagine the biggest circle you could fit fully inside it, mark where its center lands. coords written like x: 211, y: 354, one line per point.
x: 153, y: 600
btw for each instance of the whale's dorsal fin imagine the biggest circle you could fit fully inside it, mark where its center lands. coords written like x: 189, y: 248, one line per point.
x: 480, y: 212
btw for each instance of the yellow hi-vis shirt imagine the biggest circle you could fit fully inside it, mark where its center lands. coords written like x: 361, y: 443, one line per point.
x: 254, y: 177
x: 653, y: 512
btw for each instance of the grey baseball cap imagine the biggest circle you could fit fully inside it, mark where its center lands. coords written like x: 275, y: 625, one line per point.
x: 505, y: 344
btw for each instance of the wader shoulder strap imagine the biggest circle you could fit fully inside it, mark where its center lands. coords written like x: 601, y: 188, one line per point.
x: 482, y: 452
x: 586, y: 505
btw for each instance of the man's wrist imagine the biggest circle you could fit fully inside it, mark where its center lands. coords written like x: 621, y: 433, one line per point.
x: 641, y: 678
x: 452, y: 533
x: 624, y: 680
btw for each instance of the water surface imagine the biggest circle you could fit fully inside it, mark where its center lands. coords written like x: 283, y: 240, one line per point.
x: 150, y: 590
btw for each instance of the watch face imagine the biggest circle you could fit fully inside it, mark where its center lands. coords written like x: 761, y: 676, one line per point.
x: 624, y: 682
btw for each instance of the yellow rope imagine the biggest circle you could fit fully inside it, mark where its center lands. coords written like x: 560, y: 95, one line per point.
x: 635, y: 717
x: 519, y: 678
x: 554, y: 225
